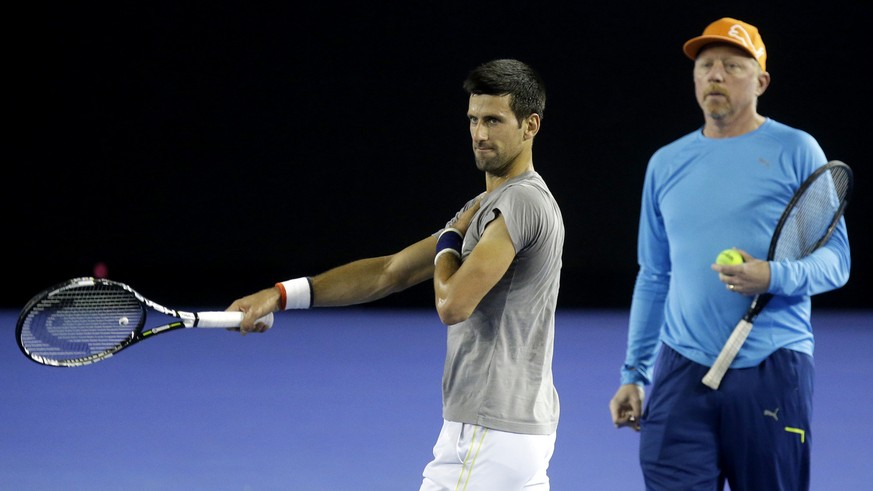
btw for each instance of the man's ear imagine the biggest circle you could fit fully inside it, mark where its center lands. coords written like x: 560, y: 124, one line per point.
x: 532, y: 126
x: 763, y: 83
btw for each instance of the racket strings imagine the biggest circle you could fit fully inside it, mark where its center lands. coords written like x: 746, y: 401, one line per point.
x: 813, y: 215
x: 81, y: 321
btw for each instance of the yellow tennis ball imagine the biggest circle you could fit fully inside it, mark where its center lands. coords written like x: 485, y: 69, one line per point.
x: 729, y: 257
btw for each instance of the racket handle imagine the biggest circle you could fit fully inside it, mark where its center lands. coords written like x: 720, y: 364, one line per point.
x: 227, y: 319
x: 713, y: 377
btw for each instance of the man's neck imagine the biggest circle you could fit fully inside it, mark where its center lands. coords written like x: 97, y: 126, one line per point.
x: 493, y: 181
x: 727, y: 128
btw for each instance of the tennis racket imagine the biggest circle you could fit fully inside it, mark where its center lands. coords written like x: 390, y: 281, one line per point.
x: 86, y: 320
x: 806, y: 224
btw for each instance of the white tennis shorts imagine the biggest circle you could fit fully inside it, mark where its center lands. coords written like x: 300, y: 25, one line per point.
x: 472, y: 458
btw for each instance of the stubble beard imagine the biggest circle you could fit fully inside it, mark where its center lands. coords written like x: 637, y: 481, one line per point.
x: 495, y: 165
x: 484, y: 164
x: 718, y: 110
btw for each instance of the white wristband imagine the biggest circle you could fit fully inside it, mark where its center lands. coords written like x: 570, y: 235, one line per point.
x: 296, y: 294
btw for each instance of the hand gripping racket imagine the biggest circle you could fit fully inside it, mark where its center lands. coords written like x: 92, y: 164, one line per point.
x: 86, y: 320
x: 806, y: 224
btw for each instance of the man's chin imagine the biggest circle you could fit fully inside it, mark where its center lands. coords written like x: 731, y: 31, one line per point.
x: 717, y: 111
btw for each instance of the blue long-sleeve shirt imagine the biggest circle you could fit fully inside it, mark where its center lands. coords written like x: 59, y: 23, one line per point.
x: 702, y: 195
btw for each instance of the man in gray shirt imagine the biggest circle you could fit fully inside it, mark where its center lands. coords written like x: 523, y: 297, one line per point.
x: 496, y: 273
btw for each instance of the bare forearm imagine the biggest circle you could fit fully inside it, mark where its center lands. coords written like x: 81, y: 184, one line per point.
x: 370, y: 279
x: 350, y: 284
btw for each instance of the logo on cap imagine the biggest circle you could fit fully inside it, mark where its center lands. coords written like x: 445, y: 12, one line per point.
x: 739, y: 33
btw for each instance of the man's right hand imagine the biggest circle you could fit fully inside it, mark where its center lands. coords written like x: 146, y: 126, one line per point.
x: 626, y: 406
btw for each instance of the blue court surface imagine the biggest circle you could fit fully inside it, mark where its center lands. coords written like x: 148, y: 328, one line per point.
x: 349, y: 400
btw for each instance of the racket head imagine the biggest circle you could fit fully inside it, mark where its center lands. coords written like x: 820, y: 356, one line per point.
x: 813, y: 213
x: 809, y: 219
x: 79, y: 321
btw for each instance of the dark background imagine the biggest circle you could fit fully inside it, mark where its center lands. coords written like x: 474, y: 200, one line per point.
x: 204, y: 150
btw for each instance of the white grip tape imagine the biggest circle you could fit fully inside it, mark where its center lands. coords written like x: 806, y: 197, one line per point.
x: 227, y: 319
x: 713, y: 377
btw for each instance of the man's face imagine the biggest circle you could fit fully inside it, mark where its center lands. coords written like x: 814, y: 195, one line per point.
x: 727, y: 81
x: 496, y: 133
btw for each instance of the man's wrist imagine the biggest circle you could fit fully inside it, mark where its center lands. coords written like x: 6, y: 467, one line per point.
x: 295, y: 294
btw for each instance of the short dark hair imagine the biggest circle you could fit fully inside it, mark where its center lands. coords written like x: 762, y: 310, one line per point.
x: 513, y: 78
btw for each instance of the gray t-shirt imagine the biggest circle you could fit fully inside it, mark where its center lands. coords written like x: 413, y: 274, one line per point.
x: 498, y: 370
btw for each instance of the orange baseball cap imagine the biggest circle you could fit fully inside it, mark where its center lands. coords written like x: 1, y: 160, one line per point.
x: 731, y: 31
